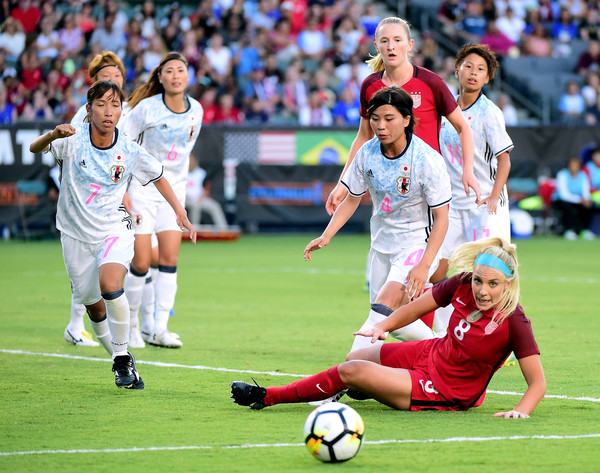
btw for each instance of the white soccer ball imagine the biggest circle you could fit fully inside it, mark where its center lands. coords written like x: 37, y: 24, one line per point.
x: 521, y: 224
x: 334, y: 432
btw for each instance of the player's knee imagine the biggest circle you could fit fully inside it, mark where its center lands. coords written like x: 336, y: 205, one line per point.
x: 349, y: 371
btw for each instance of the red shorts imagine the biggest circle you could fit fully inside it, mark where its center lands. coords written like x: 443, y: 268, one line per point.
x: 413, y: 356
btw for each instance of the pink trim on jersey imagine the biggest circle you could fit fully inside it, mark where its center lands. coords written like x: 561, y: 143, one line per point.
x: 431, y: 96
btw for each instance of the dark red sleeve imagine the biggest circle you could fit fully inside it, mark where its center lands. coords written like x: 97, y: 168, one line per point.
x: 520, y: 335
x: 445, y: 101
x: 366, y: 94
x: 444, y: 292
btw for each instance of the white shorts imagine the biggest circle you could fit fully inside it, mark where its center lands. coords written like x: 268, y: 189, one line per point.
x: 466, y: 225
x: 83, y: 261
x: 394, y: 267
x: 153, y: 217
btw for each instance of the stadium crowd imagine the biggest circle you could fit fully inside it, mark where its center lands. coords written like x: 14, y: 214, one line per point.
x: 285, y: 62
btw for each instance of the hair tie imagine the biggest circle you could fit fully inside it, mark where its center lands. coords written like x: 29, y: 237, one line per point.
x: 492, y: 261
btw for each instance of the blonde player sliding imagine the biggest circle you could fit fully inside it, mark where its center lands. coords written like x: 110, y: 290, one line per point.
x: 410, y: 189
x: 166, y: 123
x: 97, y: 161
x: 471, y: 219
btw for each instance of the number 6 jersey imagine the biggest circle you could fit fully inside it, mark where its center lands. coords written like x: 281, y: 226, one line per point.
x: 168, y: 136
x: 94, y: 180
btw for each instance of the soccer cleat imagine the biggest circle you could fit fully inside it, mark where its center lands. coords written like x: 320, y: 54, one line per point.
x: 249, y: 395
x: 81, y: 339
x: 126, y: 375
x: 165, y: 339
x: 511, y: 360
x: 146, y: 336
x: 135, y: 338
x: 335, y: 398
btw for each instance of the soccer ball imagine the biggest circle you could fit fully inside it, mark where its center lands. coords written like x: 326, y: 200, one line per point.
x: 334, y: 432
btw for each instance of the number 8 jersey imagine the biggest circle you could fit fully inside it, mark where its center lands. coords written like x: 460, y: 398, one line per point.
x: 94, y: 181
x: 168, y: 136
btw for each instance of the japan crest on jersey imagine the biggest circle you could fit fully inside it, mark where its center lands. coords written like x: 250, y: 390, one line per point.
x: 116, y: 173
x: 416, y: 97
x: 403, y: 185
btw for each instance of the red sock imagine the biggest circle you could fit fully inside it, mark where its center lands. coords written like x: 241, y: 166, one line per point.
x: 314, y: 388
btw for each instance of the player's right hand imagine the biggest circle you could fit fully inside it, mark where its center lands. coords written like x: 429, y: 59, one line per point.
x: 316, y: 244
x: 375, y: 333
x: 338, y: 194
x: 63, y: 131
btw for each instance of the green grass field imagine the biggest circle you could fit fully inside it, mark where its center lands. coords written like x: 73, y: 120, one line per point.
x: 254, y: 308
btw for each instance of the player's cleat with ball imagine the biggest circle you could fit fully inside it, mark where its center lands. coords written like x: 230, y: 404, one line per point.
x: 245, y: 394
x: 165, y: 339
x: 126, y: 375
x: 135, y: 338
x: 81, y: 339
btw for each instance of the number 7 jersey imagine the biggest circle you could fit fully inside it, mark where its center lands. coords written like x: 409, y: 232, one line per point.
x: 168, y: 136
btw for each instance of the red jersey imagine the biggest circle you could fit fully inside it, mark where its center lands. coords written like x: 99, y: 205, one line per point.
x: 431, y: 101
x: 462, y: 363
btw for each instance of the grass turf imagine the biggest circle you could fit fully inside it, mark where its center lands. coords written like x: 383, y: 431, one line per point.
x: 254, y: 304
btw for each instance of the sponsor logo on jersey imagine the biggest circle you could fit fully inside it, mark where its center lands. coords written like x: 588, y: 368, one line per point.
x: 82, y: 163
x: 370, y: 173
x: 416, y: 99
x: 403, y: 185
x: 164, y: 126
x: 116, y: 173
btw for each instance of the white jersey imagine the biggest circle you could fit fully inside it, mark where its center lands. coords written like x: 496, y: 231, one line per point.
x: 491, y: 140
x: 82, y: 112
x: 94, y: 180
x: 168, y: 136
x: 404, y: 189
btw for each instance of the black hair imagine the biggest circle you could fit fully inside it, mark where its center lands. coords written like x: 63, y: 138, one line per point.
x: 397, y: 98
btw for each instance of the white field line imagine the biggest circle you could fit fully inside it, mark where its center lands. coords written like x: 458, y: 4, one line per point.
x: 270, y: 373
x: 280, y: 445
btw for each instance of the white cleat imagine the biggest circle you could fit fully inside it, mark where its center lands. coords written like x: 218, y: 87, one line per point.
x: 165, y: 339
x: 335, y: 398
x: 135, y: 338
x: 81, y: 339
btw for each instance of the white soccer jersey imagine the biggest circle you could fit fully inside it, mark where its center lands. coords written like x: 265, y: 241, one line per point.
x: 168, y: 136
x: 94, y: 181
x: 404, y: 189
x: 491, y: 140
x: 82, y: 112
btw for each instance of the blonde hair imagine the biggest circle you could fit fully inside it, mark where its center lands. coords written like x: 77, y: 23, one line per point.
x: 105, y: 58
x: 463, y: 260
x: 376, y: 62
x: 153, y: 85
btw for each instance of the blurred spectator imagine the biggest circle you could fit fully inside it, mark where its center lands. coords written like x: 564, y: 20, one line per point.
x: 109, y: 37
x: 227, y: 112
x: 260, y: 95
x: 282, y: 43
x: 589, y: 60
x: 85, y: 20
x: 572, y: 200
x: 47, y: 42
x: 511, y: 25
x: 497, y: 40
x: 450, y: 14
x: 154, y: 53
x: 70, y: 36
x: 590, y: 26
x: 8, y: 112
x: 198, y: 197
x: 346, y: 109
x: 489, y: 10
x: 208, y: 100
x: 591, y: 93
x: 294, y: 93
x: 548, y: 10
x: 564, y: 30
x: 370, y: 19
x: 266, y: 14
x: 28, y: 15
x: 147, y: 19
x: 508, y: 110
x: 432, y: 56
x: 16, y: 94
x: 219, y: 56
x: 473, y: 24
x: 538, y: 43
x: 12, y: 39
x: 312, y: 43
x: 571, y: 104
x: 350, y: 36
x: 314, y: 113
x: 38, y: 109
x: 592, y: 169
x: 319, y: 83
x: 31, y: 69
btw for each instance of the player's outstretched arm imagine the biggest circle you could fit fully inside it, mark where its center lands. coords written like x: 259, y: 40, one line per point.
x: 532, y: 370
x: 163, y: 186
x: 41, y: 143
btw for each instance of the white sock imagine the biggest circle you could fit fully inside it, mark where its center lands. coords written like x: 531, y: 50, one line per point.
x: 117, y: 311
x: 364, y: 342
x: 102, y: 332
x: 418, y: 330
x: 148, y: 302
x: 77, y: 313
x: 165, y: 290
x: 134, y: 288
x: 441, y: 318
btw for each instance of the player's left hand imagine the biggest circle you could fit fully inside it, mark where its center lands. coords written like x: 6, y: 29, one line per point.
x: 375, y: 333
x: 511, y: 415
x: 314, y: 245
x: 184, y: 223
x: 416, y: 280
x: 491, y: 202
x: 470, y: 181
